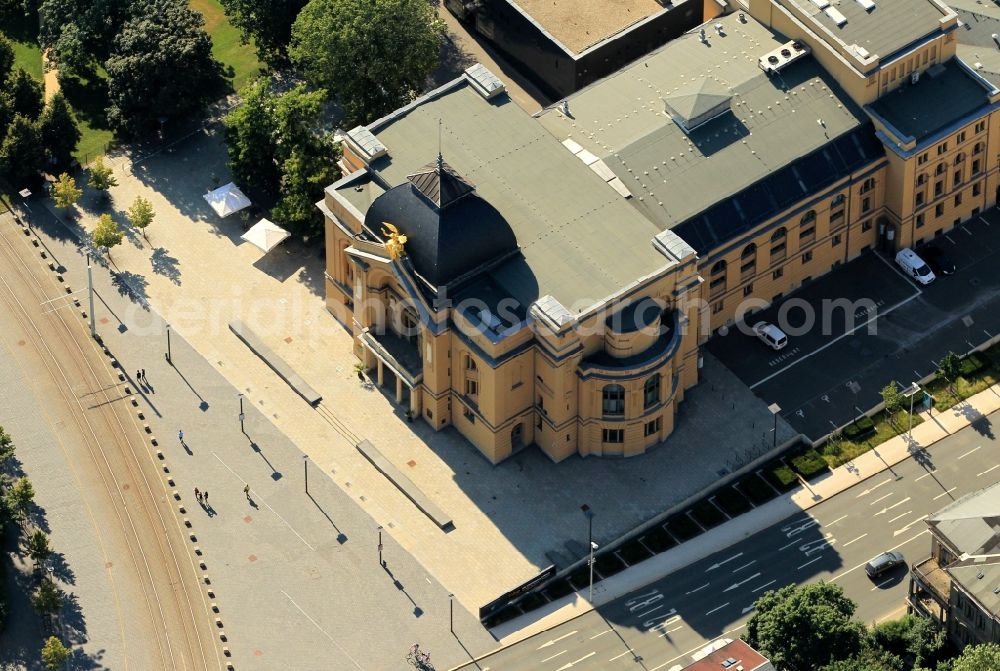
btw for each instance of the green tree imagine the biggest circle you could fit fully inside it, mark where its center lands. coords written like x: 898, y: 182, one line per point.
x: 47, y: 598
x: 868, y: 659
x: 21, y: 153
x: 371, y: 56
x: 161, y: 66
x: 141, y: 214
x: 892, y: 397
x: 6, y: 58
x: 18, y: 498
x: 60, y: 134
x: 251, y: 136
x: 25, y: 94
x: 913, y: 638
x: 102, y: 177
x: 65, y: 192
x: 802, y: 628
x: 950, y: 367
x: 267, y: 22
x: 79, y: 33
x: 7, y: 449
x: 38, y: 547
x: 978, y: 658
x: 54, y: 653
x: 106, y: 233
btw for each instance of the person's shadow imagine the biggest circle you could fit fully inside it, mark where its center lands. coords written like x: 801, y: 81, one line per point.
x: 209, y: 510
x: 253, y: 504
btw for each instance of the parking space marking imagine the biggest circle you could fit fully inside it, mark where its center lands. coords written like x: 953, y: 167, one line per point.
x: 991, y: 468
x: 970, y: 452
x: 837, y: 339
x: 945, y: 493
x: 717, y: 608
x: 856, y: 539
x: 811, y: 561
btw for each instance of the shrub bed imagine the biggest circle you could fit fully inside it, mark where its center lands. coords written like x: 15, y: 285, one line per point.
x: 682, y: 527
x: 633, y: 552
x: 782, y: 477
x: 859, y: 429
x: 558, y: 588
x: 658, y: 540
x: 809, y: 464
x: 608, y: 564
x: 707, y: 514
x: 972, y: 364
x: 732, y: 501
x: 756, y: 489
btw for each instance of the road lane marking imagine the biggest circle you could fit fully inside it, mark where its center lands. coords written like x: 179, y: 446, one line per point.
x: 970, y: 452
x: 856, y: 539
x: 898, y: 503
x: 881, y: 584
x: 854, y: 568
x: 742, y: 582
x: 748, y: 609
x: 929, y: 473
x: 724, y: 561
x: 651, y: 610
x: 907, y: 527
x: 698, y: 589
x: 880, y: 499
x: 717, y: 608
x: 616, y: 656
x: 606, y: 631
x: 555, y: 655
x: 898, y: 516
x: 830, y: 524
x: 749, y: 563
x: 873, y: 488
x: 785, y: 547
x: 811, y: 561
x: 574, y: 663
x: 670, y: 631
x: 944, y: 493
x: 754, y: 591
x: 556, y: 640
x: 324, y: 631
x: 991, y: 468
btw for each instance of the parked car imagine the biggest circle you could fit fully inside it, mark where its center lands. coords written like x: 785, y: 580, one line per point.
x: 882, y: 563
x: 914, y: 266
x: 770, y: 335
x: 939, y: 262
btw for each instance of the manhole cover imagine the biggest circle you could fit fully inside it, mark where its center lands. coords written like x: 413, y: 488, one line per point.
x: 411, y: 463
x: 252, y: 558
x: 248, y: 519
x: 288, y: 339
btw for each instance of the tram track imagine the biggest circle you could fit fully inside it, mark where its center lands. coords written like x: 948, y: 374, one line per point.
x: 117, y: 448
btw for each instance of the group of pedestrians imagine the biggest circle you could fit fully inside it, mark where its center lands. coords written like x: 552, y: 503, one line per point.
x: 202, y: 496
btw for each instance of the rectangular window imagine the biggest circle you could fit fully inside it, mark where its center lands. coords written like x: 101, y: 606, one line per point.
x: 975, y: 166
x: 469, y: 415
x: 807, y: 233
x: 653, y: 427
x: 717, y: 282
x: 958, y: 199
x: 942, y: 148
x: 807, y: 257
x: 921, y: 178
x: 748, y: 267
x: 980, y: 126
x: 961, y: 137
x: 836, y: 240
x: 866, y: 225
x: 958, y: 177
x: 939, y: 210
x: 920, y: 198
x: 866, y: 204
x: 938, y: 188
x: 920, y: 220
x: 837, y: 215
x: 922, y: 159
x: 471, y: 388
x: 777, y: 274
x: 748, y: 289
x: 977, y: 189
x: 613, y: 436
x: 778, y: 250
x: 717, y: 307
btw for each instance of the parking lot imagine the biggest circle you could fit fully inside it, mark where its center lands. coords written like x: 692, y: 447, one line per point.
x: 894, y: 329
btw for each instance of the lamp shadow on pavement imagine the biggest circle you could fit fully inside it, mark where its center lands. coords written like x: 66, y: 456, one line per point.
x: 275, y: 473
x: 417, y: 610
x: 472, y: 658
x: 203, y: 406
x: 341, y: 537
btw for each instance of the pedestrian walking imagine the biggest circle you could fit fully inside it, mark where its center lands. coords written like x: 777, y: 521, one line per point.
x: 204, y: 496
x: 246, y: 490
x: 142, y: 374
x: 180, y: 436
x: 197, y: 494
x: 138, y: 375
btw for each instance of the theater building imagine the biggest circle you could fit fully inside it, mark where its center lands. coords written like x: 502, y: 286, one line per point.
x: 549, y: 279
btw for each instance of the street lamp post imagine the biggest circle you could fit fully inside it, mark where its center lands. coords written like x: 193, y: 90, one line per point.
x: 305, y: 472
x: 90, y: 295
x: 911, y: 392
x: 381, y: 563
x: 242, y: 416
x: 169, y: 359
x: 775, y: 409
x: 590, y: 544
x: 451, y: 612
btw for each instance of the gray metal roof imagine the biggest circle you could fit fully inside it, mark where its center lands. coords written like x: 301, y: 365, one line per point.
x: 580, y: 241
x: 975, y: 39
x: 908, y: 109
x: 890, y: 26
x: 675, y: 176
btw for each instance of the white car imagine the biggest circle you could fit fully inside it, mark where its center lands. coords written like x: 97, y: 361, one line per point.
x: 770, y: 335
x: 914, y: 266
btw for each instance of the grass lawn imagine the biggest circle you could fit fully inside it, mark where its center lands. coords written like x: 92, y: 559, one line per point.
x: 239, y: 60
x: 24, y: 36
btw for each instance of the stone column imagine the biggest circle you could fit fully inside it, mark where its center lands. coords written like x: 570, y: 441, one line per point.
x: 379, y: 373
x: 415, y: 409
x: 399, y: 389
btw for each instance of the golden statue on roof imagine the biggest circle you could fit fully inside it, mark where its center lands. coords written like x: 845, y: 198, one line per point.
x: 395, y: 242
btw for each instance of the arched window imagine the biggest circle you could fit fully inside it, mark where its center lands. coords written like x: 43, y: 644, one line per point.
x: 749, y: 251
x: 837, y: 201
x: 868, y: 185
x: 808, y: 217
x: 470, y: 363
x: 959, y: 158
x: 613, y: 401
x: 939, y: 170
x: 651, y: 392
x: 719, y: 268
x: 977, y: 148
x: 778, y: 235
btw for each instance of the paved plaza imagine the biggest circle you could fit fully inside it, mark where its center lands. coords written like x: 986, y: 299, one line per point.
x: 194, y: 272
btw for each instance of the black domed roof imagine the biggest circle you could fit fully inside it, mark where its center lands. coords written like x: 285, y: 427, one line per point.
x: 450, y: 230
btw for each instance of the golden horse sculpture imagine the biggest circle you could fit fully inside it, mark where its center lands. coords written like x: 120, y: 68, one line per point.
x: 395, y: 242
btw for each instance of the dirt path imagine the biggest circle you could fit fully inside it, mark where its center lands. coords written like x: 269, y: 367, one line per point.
x: 50, y: 77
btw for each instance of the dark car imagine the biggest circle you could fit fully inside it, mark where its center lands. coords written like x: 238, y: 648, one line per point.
x: 884, y: 562
x: 937, y: 260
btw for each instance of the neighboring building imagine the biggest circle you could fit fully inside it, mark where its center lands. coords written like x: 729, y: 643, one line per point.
x: 958, y: 586
x: 727, y: 655
x: 563, y: 45
x: 604, y: 240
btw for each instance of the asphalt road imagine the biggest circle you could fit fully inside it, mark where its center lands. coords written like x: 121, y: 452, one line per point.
x: 829, y: 373
x: 660, y: 625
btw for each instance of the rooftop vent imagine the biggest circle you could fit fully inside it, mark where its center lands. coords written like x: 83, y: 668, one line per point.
x: 729, y: 662
x: 781, y: 57
x: 697, y: 103
x: 822, y: 4
x: 836, y: 16
x: 867, y: 5
x: 980, y: 575
x: 719, y: 29
x: 487, y: 84
x: 365, y: 144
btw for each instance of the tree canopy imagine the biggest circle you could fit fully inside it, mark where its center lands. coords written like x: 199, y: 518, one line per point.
x: 371, y: 55
x: 65, y: 192
x: 54, y: 653
x: 106, y: 233
x: 161, y: 67
x: 59, y: 132
x: 102, y: 177
x: 803, y: 628
x: 978, y: 658
x: 267, y: 22
x: 21, y: 153
x: 140, y: 214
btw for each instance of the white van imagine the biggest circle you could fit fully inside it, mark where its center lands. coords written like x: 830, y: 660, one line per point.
x: 914, y: 266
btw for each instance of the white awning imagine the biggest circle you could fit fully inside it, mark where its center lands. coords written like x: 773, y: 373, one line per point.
x: 265, y: 235
x: 227, y: 199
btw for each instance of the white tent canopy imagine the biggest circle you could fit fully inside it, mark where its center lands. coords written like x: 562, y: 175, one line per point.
x: 227, y: 199
x: 265, y: 235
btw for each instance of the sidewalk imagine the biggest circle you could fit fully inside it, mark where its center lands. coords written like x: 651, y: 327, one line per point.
x: 937, y: 425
